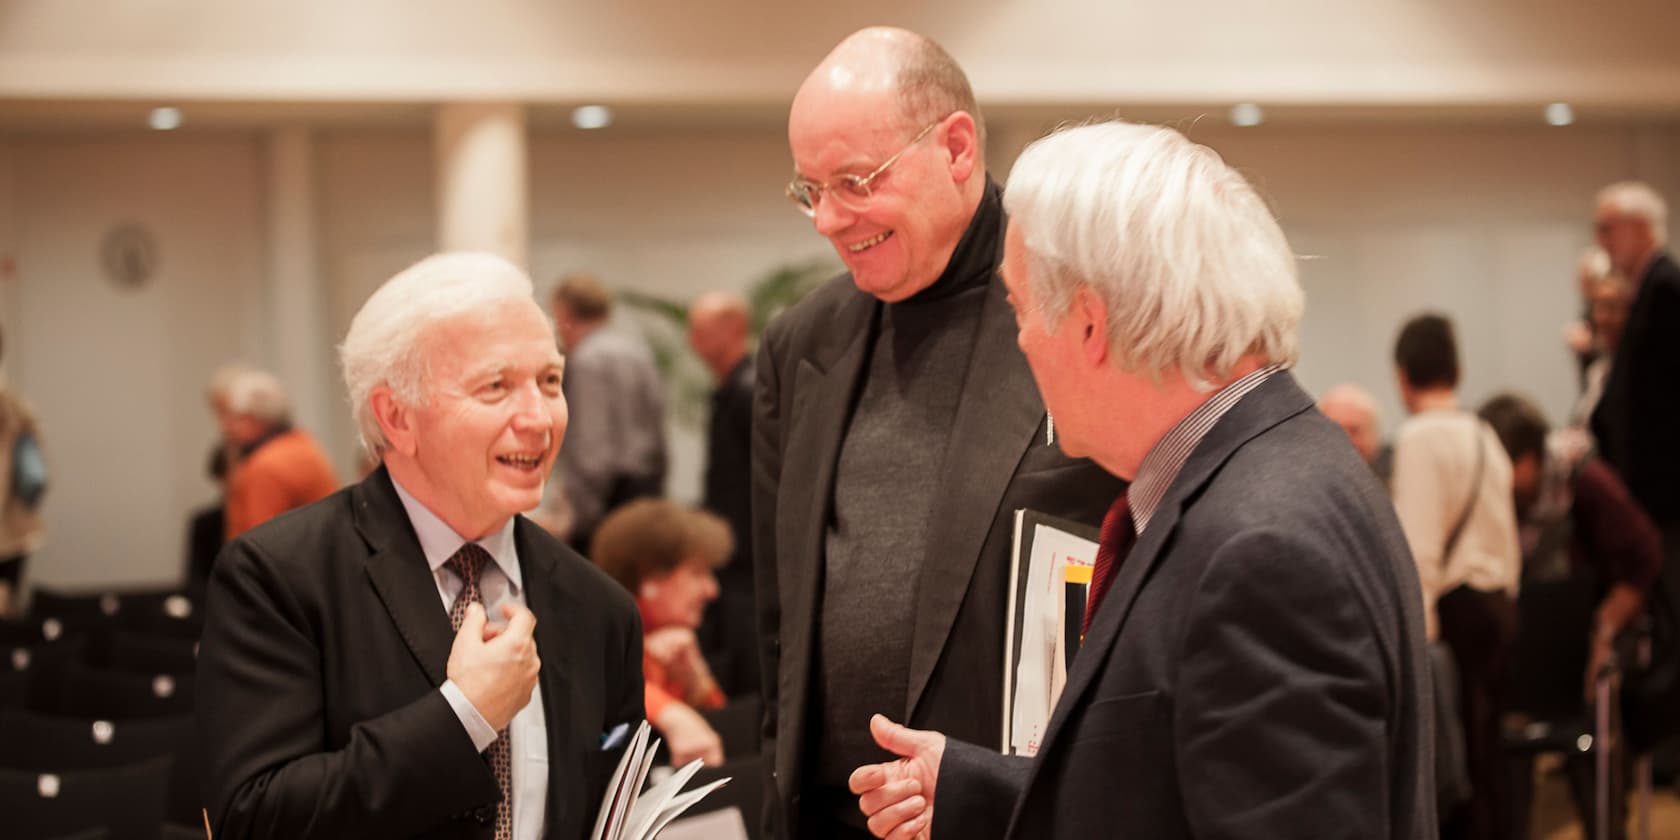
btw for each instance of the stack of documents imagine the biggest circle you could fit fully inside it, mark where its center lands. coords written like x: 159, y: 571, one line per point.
x: 1047, y: 589
x: 630, y: 813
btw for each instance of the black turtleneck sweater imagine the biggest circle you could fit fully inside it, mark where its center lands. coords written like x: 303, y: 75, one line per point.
x: 884, y: 487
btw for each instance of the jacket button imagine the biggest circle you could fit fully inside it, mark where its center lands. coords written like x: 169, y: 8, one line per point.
x: 485, y: 814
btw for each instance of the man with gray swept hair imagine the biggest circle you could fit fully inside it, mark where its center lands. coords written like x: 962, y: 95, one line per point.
x: 370, y: 664
x: 1253, y: 661
x: 896, y: 432
x: 1637, y: 421
x: 276, y: 467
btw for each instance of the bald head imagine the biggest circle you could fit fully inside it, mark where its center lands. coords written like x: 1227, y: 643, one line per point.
x: 719, y: 324
x: 886, y: 125
x: 1353, y: 408
x: 899, y: 67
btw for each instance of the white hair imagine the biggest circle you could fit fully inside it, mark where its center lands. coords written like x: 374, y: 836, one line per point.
x: 222, y: 377
x: 1593, y: 264
x: 1639, y: 200
x: 1193, y: 268
x: 385, y: 345
x: 256, y: 393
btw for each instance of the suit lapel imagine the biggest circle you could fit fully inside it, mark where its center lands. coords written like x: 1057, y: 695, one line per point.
x: 998, y: 413
x: 1275, y: 400
x: 556, y: 611
x: 397, y: 569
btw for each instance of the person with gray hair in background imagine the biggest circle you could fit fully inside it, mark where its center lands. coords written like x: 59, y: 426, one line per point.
x: 896, y: 432
x: 1637, y: 420
x: 276, y: 467
x: 1253, y: 660
x: 411, y: 657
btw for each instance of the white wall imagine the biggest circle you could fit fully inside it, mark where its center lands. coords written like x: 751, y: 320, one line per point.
x: 1483, y: 222
x: 117, y: 375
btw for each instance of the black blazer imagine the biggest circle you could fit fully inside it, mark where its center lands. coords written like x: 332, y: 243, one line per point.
x: 324, y: 645
x: 1256, y: 671
x: 1637, y: 422
x: 810, y: 366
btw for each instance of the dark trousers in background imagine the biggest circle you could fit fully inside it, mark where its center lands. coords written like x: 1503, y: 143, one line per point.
x: 1480, y: 629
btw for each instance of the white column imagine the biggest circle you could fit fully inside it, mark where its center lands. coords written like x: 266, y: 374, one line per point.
x: 482, y: 198
x: 301, y: 339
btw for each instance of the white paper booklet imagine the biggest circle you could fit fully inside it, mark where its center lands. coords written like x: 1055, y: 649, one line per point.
x: 630, y: 813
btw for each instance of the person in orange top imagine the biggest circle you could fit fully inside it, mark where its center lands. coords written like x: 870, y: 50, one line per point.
x: 279, y: 468
x: 665, y: 554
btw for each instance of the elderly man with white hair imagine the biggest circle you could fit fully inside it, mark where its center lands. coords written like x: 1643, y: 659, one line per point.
x: 1253, y: 661
x: 275, y: 466
x: 370, y: 664
x: 1637, y: 420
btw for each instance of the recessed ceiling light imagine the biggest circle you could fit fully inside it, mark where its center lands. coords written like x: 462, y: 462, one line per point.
x: 164, y: 119
x: 592, y: 116
x: 1559, y: 113
x: 1247, y: 114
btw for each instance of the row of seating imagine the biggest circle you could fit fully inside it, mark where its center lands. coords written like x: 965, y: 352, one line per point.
x: 97, y: 738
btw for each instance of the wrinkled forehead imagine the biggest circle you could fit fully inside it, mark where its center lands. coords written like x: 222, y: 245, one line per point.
x: 491, y: 336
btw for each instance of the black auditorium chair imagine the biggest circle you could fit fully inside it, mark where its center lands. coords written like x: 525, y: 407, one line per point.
x: 126, y: 801
x: 51, y: 743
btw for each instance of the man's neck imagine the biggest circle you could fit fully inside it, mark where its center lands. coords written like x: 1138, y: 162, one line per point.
x: 415, y: 482
x: 1433, y: 399
x: 726, y: 365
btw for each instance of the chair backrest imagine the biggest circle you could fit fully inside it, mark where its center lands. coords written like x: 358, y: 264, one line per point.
x: 118, y: 695
x: 165, y: 610
x: 49, y: 743
x: 143, y: 652
x: 126, y: 801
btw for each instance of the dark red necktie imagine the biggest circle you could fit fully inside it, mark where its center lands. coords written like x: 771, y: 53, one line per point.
x: 1116, y: 542
x: 467, y: 564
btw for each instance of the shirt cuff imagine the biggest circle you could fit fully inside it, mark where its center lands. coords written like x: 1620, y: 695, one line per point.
x: 478, y: 729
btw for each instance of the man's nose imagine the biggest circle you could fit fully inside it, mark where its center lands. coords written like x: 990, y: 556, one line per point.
x: 831, y: 217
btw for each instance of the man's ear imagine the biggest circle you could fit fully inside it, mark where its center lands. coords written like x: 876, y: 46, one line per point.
x: 395, y: 420
x: 1089, y: 315
x: 961, y: 143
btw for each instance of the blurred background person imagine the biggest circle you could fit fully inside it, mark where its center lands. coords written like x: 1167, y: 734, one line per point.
x: 720, y: 330
x: 1637, y: 423
x: 1582, y: 336
x: 21, y: 462
x: 665, y: 554
x: 1452, y: 491
x: 1354, y: 409
x: 207, y: 525
x: 277, y: 467
x: 1608, y: 300
x: 1579, y: 528
x: 614, y: 449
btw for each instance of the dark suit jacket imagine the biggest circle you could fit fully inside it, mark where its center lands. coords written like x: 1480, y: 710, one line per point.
x: 809, y: 368
x: 324, y: 645
x: 1637, y: 422
x: 729, y: 632
x: 1257, y: 669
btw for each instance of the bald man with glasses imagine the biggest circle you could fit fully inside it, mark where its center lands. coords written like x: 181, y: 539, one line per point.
x: 896, y: 430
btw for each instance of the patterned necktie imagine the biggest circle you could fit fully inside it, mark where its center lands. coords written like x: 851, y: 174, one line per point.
x: 468, y: 563
x: 1117, y: 539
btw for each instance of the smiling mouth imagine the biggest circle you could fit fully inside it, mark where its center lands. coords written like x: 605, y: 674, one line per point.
x: 858, y: 247
x: 521, y: 462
